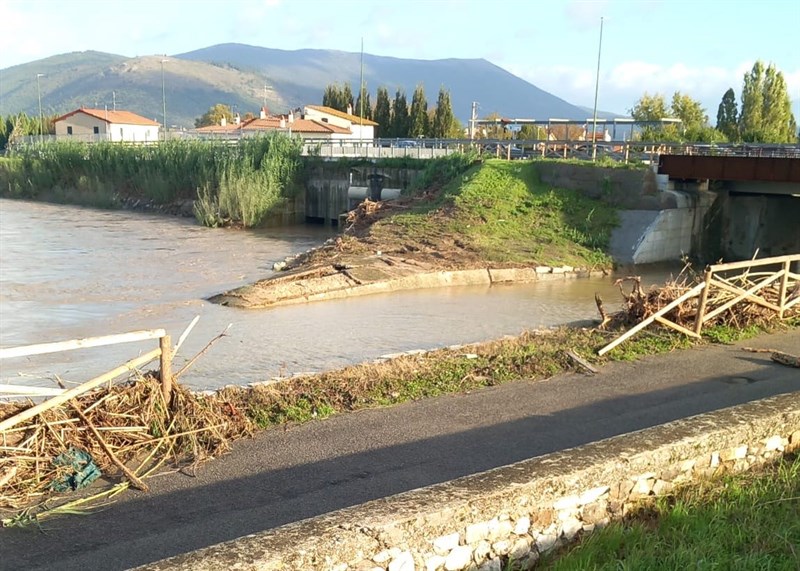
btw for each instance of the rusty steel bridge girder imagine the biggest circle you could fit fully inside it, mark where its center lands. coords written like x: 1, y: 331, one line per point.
x: 730, y: 168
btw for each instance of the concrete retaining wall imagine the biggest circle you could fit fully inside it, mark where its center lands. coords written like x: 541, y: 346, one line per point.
x: 517, y: 511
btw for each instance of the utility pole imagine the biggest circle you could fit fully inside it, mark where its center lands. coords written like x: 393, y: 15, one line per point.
x: 39, y: 96
x: 472, y: 120
x: 596, y: 89
x: 164, y: 99
x: 361, y: 97
x: 113, y: 100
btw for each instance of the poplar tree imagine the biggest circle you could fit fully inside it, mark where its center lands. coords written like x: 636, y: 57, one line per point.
x: 347, y: 99
x: 728, y: 116
x: 383, y: 112
x: 443, y: 118
x: 400, y: 120
x: 367, y: 110
x: 766, y: 111
x: 419, y: 114
x: 750, y: 120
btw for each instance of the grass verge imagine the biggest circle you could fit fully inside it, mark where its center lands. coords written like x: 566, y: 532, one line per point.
x: 531, y: 355
x: 745, y: 521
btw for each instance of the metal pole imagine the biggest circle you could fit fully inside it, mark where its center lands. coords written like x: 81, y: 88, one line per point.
x: 164, y: 99
x: 361, y: 97
x: 41, y: 117
x: 596, y: 89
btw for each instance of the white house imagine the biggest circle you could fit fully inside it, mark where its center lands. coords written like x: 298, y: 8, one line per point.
x: 104, y: 125
x: 300, y: 127
x: 360, y: 129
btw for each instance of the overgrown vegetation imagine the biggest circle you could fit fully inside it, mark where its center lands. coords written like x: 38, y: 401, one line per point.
x: 237, y: 183
x: 747, y: 521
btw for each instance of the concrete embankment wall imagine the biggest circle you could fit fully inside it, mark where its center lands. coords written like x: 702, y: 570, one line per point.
x: 517, y: 511
x: 657, y: 223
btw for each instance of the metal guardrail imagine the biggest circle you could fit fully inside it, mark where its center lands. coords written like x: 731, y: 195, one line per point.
x: 622, y: 151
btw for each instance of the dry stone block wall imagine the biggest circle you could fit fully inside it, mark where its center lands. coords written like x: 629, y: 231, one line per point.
x: 519, y: 511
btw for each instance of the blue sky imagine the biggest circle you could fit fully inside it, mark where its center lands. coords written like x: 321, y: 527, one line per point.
x: 699, y: 47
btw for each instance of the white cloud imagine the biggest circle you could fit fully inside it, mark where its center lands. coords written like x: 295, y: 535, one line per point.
x: 622, y: 85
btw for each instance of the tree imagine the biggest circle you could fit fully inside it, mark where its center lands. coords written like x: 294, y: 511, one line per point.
x: 214, y: 116
x: 750, y: 119
x: 689, y: 111
x: 400, y: 121
x: 779, y: 124
x: 332, y: 96
x: 442, y: 124
x: 652, y: 108
x: 367, y: 109
x: 495, y: 130
x: 532, y: 133
x: 728, y: 116
x: 419, y: 114
x: 766, y: 112
x: 383, y: 112
x: 347, y: 99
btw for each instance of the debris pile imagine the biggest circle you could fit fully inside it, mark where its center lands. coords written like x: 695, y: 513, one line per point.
x: 125, y: 430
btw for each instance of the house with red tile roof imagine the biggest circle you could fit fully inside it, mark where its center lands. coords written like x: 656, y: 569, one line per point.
x: 361, y: 129
x: 316, y: 126
x: 85, y: 124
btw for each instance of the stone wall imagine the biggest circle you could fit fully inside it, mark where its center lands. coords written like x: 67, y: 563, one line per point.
x: 518, y: 511
x: 634, y: 189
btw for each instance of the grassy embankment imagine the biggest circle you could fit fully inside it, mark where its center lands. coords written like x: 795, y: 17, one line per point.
x: 238, y: 183
x: 746, y: 521
x: 493, y: 213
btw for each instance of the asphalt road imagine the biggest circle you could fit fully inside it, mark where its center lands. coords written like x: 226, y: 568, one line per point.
x: 283, y: 476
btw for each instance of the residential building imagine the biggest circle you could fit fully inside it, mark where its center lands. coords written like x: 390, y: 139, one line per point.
x: 103, y: 125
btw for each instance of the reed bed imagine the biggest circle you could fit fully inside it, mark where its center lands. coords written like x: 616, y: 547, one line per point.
x: 231, y: 183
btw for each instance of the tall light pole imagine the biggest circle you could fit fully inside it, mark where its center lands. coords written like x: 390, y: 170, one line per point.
x: 39, y: 96
x: 164, y: 99
x: 596, y: 89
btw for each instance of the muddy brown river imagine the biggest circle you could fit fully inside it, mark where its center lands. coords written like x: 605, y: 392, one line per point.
x: 68, y: 272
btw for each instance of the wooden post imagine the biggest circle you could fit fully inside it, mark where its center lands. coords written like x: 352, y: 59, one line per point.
x: 166, y: 368
x: 784, y: 285
x: 701, y: 308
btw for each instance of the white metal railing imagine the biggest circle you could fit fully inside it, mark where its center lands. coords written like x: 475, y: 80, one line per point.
x: 164, y: 352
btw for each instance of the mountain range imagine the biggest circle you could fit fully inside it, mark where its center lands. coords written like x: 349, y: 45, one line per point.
x: 247, y: 77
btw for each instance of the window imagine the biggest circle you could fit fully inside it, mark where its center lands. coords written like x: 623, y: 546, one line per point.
x: 324, y: 119
x: 69, y: 130
x: 96, y: 130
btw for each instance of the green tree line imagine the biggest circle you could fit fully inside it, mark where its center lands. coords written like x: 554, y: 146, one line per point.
x: 765, y: 114
x: 395, y: 117
x: 13, y: 127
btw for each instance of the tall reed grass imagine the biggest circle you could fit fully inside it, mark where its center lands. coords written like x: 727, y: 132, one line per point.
x: 238, y: 183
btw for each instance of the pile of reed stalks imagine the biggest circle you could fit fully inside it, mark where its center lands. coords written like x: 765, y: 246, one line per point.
x: 128, y: 429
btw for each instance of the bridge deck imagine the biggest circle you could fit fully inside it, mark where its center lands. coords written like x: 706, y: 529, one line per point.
x: 731, y: 168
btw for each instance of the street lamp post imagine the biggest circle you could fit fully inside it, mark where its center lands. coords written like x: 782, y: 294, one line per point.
x: 596, y: 89
x: 39, y: 96
x: 164, y: 100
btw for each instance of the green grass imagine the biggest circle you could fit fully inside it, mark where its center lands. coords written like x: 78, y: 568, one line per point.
x: 743, y: 522
x: 501, y: 212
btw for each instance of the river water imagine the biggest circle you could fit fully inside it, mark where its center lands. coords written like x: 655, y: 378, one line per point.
x: 68, y: 272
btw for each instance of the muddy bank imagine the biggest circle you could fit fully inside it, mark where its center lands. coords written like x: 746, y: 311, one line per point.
x: 380, y: 274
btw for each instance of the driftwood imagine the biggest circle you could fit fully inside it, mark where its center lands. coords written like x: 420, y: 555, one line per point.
x: 581, y: 362
x: 111, y: 456
x: 777, y: 356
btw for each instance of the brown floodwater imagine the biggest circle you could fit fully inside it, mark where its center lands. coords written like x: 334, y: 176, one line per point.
x: 68, y: 272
